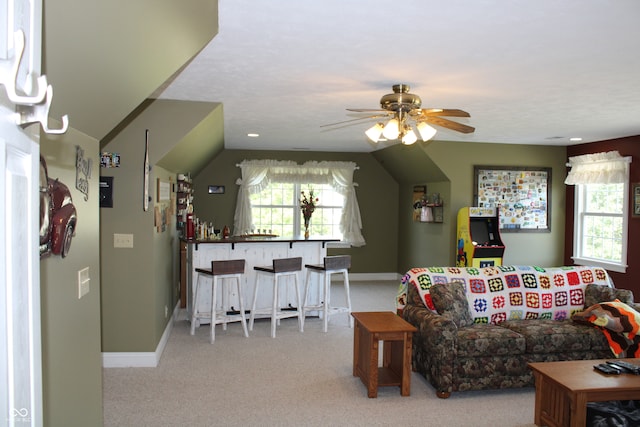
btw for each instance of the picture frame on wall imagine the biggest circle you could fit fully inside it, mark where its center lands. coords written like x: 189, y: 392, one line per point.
x: 216, y: 189
x: 522, y: 195
x: 635, y: 192
x: 163, y: 190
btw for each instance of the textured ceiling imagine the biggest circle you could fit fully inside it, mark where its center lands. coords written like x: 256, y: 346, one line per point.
x: 528, y: 72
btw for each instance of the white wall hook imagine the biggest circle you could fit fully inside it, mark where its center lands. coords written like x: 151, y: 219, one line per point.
x: 28, y: 114
x: 9, y: 75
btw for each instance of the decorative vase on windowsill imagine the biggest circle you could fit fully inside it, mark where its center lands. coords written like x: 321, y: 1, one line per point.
x: 306, y: 227
x: 307, y: 206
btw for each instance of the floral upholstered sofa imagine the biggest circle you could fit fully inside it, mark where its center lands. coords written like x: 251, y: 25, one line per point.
x: 479, y: 327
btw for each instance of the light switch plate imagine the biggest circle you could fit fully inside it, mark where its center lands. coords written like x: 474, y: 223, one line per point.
x: 122, y: 240
x: 83, y: 282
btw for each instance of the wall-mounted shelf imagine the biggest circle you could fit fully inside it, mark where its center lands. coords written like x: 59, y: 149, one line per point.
x: 427, y: 207
x: 184, y: 198
x: 436, y: 215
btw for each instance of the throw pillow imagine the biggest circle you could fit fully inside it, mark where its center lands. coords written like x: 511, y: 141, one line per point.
x: 594, y: 294
x: 619, y: 323
x: 450, y: 301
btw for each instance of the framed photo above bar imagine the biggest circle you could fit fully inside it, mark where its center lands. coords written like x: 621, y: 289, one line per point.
x: 522, y: 194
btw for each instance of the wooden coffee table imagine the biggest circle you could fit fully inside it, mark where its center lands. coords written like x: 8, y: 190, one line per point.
x: 564, y: 388
x: 396, y: 334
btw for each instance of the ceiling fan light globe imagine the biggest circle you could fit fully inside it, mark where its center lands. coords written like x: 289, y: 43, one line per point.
x: 426, y: 132
x: 409, y: 138
x: 392, y: 129
x: 374, y: 132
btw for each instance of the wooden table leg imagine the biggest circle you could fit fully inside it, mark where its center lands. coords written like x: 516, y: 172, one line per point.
x: 537, y: 417
x: 356, y: 348
x: 405, y: 388
x: 372, y: 352
x: 578, y: 409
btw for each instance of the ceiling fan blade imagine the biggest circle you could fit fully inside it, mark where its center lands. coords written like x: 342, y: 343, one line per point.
x: 444, y: 112
x: 449, y: 124
x: 365, y: 110
x: 375, y: 116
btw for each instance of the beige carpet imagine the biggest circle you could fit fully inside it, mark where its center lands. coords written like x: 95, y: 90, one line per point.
x: 296, y: 379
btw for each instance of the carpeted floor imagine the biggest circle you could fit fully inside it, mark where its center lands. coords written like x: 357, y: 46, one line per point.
x: 296, y: 379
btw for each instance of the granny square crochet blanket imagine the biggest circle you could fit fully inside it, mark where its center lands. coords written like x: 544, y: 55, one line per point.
x: 500, y: 293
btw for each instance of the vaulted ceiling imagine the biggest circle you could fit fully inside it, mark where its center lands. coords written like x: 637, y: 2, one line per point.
x: 528, y: 72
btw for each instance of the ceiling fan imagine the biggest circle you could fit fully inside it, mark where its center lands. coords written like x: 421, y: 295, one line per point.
x: 404, y: 113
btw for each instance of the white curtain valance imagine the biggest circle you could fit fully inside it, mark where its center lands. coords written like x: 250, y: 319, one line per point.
x: 258, y: 174
x: 598, y: 168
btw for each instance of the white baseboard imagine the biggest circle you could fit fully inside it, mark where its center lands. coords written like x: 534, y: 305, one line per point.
x: 371, y: 276
x: 141, y: 359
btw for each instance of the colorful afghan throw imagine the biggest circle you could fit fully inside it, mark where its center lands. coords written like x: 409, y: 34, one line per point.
x: 500, y: 293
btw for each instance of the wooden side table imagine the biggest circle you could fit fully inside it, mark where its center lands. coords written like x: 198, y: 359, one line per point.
x: 396, y: 335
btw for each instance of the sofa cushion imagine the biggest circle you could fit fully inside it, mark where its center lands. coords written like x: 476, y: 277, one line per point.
x: 619, y: 323
x: 552, y: 336
x: 481, y: 340
x: 594, y: 294
x: 450, y: 301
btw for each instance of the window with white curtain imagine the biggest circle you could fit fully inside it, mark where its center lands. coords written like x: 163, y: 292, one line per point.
x: 269, y: 192
x: 601, y: 211
x: 277, y: 209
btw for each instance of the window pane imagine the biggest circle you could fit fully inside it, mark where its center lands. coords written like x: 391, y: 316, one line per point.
x: 604, y: 198
x: 277, y: 208
x: 602, y: 238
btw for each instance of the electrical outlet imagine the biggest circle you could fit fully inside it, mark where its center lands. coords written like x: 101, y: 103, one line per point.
x: 83, y: 282
x: 122, y: 240
x: 166, y: 311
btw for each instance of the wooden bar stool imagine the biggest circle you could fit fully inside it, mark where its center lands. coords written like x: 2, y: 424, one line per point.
x: 332, y: 265
x: 281, y: 268
x: 219, y: 271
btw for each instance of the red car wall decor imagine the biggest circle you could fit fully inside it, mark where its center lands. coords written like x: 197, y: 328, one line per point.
x: 58, y: 217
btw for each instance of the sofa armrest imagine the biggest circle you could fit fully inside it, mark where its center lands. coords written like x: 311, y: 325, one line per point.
x: 434, y: 345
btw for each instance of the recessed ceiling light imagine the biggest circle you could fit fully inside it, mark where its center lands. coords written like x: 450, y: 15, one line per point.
x: 253, y: 135
x: 575, y: 139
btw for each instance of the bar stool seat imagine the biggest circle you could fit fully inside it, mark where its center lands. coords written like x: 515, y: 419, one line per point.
x: 282, y: 267
x: 219, y: 271
x: 332, y: 265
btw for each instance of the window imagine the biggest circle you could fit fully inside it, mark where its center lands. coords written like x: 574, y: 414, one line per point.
x: 277, y: 208
x: 600, y: 227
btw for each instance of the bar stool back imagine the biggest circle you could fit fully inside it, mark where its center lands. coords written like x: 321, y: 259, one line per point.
x: 332, y: 265
x: 281, y: 268
x: 219, y: 271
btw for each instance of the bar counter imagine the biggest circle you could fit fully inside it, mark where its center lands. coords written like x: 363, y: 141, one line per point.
x: 256, y: 251
x: 260, y: 239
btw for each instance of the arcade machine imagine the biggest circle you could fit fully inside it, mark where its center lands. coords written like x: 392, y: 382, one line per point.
x: 479, y: 242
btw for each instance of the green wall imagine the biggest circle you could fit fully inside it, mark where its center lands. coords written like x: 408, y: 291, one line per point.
x: 72, y: 363
x: 448, y: 169
x: 136, y: 285
x: 140, y: 284
x: 104, y: 58
x: 377, y: 194
x: 386, y: 178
